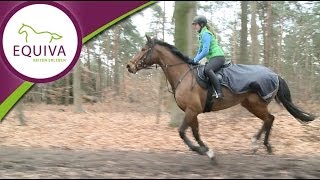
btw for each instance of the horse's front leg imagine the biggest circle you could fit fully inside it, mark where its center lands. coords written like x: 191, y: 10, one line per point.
x: 203, y: 150
x: 182, y: 132
x: 191, y: 120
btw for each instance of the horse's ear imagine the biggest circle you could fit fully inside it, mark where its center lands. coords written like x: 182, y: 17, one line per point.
x: 149, y: 39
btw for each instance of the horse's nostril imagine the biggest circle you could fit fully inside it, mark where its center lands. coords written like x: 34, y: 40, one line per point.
x: 128, y: 66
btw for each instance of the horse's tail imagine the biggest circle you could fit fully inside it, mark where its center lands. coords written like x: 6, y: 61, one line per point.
x: 283, y: 96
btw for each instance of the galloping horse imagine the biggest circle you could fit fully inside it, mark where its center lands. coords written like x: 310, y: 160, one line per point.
x: 191, y: 97
x: 31, y: 34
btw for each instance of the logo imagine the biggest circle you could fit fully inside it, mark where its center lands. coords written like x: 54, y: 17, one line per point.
x: 41, y: 42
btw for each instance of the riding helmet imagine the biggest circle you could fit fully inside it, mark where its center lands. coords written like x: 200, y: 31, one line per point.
x: 201, y: 20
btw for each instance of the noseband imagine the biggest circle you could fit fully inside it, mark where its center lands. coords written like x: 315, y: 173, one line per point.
x: 146, y: 57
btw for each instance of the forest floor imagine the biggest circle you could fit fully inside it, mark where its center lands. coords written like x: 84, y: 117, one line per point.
x: 116, y: 139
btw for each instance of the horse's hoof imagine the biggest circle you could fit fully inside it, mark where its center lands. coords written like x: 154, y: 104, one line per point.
x: 254, y: 145
x: 210, y: 154
x: 269, y: 149
x: 199, y: 150
x: 254, y: 151
x: 212, y: 157
x: 203, y: 150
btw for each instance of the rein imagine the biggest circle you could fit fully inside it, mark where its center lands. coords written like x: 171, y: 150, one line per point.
x: 167, y: 66
x: 147, y: 56
x: 180, y: 79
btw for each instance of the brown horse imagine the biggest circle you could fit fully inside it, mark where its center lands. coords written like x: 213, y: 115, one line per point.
x: 191, y: 98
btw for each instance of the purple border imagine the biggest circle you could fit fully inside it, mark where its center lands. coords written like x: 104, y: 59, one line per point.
x: 91, y: 15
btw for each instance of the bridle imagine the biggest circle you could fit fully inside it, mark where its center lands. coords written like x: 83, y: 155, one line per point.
x: 142, y: 63
x: 147, y: 56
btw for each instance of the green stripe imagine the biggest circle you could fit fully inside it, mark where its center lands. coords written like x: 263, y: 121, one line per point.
x: 88, y: 37
x: 13, y: 98
x: 24, y: 87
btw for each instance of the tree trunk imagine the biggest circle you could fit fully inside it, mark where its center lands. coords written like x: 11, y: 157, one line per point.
x: 235, y: 46
x: 279, y: 58
x: 67, y: 90
x: 19, y: 112
x: 183, y: 11
x: 161, y: 96
x: 267, y: 32
x: 162, y: 76
x: 77, y: 100
x: 306, y: 73
x: 115, y: 56
x: 108, y: 79
x: 254, y: 34
x: 244, y: 33
x: 98, y: 80
x: 88, y: 75
x: 183, y: 14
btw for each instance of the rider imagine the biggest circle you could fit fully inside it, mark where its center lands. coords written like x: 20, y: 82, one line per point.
x: 209, y: 48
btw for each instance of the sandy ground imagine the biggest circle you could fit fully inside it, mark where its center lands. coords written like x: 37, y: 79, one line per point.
x: 118, y: 140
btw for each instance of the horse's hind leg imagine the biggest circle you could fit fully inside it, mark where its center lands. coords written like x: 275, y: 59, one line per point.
x: 255, y: 139
x: 268, y: 126
x: 258, y: 107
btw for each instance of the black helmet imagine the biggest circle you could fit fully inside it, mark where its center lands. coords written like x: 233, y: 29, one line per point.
x: 201, y: 20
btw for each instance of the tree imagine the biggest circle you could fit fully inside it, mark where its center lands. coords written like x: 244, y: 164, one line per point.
x: 267, y: 33
x: 77, y: 99
x: 116, y: 32
x: 99, y: 77
x: 157, y: 27
x: 19, y: 112
x: 254, y: 34
x: 183, y: 15
x: 244, y: 33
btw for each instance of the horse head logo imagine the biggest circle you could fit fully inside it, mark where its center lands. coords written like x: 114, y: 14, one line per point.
x: 32, y: 35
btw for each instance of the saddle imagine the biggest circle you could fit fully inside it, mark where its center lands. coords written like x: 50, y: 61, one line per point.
x: 205, y: 83
x: 240, y: 78
x: 203, y: 80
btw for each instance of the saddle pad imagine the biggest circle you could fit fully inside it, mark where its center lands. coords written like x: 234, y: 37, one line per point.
x: 243, y: 78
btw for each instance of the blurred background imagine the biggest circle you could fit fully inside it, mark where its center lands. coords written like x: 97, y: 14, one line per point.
x: 284, y: 36
x: 100, y: 105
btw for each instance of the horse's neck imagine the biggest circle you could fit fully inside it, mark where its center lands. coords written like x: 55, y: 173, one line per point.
x: 173, y: 67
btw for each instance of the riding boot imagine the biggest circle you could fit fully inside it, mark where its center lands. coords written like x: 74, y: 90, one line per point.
x: 216, y: 84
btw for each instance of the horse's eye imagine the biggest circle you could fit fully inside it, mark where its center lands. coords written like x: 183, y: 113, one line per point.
x: 143, y: 49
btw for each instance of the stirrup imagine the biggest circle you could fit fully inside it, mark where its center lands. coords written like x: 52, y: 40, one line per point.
x: 217, y: 95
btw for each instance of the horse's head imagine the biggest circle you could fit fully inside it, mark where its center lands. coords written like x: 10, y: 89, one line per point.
x: 144, y: 58
x: 22, y: 29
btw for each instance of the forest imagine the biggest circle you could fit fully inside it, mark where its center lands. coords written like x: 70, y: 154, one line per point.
x: 281, y: 35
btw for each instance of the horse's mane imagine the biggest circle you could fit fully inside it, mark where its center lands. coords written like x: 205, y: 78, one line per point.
x: 174, y: 50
